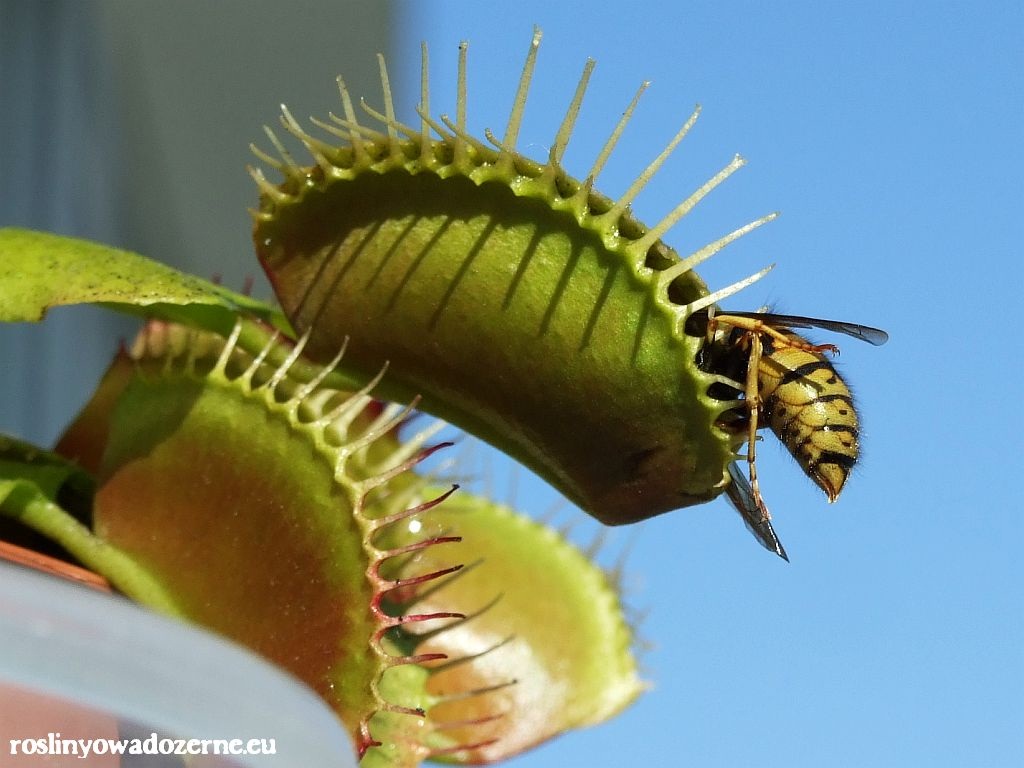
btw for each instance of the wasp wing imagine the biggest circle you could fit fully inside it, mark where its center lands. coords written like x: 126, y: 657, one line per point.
x: 866, y: 333
x: 741, y: 496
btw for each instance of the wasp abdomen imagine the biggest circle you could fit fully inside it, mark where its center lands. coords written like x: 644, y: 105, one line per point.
x: 810, y: 409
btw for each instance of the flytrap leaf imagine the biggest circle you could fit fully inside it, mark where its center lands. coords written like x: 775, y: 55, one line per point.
x: 39, y: 271
x: 226, y: 483
x: 285, y: 515
x: 544, y: 647
x: 522, y: 305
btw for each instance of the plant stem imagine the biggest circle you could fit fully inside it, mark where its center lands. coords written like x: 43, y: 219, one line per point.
x: 118, y: 568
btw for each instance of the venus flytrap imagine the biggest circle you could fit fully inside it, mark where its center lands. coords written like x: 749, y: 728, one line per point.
x: 248, y: 479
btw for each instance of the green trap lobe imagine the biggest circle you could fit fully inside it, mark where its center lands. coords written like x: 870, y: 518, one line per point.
x: 238, y: 513
x: 510, y: 320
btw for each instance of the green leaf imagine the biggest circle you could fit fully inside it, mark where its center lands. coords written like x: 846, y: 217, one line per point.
x: 35, y: 485
x: 39, y: 271
x: 46, y: 474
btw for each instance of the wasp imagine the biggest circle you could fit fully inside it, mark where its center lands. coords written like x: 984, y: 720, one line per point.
x: 791, y: 386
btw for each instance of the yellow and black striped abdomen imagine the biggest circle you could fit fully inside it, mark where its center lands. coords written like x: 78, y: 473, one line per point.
x: 810, y: 409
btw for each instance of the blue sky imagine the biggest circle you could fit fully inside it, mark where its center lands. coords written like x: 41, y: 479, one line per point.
x: 888, y: 135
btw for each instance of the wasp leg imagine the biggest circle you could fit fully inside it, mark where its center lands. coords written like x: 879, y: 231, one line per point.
x: 746, y: 496
x: 756, y: 327
x: 753, y: 398
x: 741, y: 496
